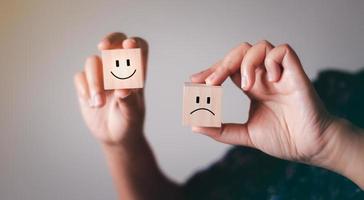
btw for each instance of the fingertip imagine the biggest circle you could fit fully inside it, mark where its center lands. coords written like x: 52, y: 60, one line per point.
x: 194, y: 79
x: 274, y: 71
x: 130, y: 43
x: 104, y: 44
x: 199, y: 77
x: 112, y: 41
x: 210, y: 79
x: 244, y: 82
x: 122, y: 93
x: 218, y: 76
x: 195, y: 129
x: 248, y: 85
x: 208, y: 131
x: 191, y: 78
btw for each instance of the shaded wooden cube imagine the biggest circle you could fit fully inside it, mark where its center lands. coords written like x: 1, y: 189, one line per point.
x: 202, y: 105
x: 122, y: 68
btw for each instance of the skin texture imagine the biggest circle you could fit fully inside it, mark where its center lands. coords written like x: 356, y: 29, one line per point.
x: 286, y: 119
x: 283, y: 102
x: 116, y: 119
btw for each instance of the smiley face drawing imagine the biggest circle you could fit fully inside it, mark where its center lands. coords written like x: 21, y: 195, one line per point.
x: 117, y: 64
x: 202, y: 105
x: 122, y: 68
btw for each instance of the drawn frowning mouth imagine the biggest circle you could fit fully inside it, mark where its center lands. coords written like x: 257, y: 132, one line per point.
x: 122, y: 78
x: 202, y: 109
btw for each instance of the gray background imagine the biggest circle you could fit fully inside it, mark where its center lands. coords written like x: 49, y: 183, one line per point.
x: 46, y: 151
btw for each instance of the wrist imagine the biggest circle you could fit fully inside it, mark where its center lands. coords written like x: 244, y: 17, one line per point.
x: 344, y: 150
x: 126, y: 150
x: 120, y: 134
x: 127, y: 142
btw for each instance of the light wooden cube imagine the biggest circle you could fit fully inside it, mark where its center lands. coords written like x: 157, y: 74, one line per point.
x: 202, y: 105
x: 122, y: 68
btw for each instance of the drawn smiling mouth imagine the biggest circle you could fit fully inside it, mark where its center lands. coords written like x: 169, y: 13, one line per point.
x: 202, y: 109
x: 122, y: 78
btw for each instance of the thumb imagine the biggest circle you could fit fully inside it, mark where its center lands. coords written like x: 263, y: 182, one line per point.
x: 236, y: 134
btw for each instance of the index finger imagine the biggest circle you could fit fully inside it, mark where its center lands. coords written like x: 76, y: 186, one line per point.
x: 202, y: 75
x: 112, y: 41
x: 230, y: 65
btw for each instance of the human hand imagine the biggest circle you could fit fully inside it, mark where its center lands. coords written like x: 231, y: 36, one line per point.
x: 286, y: 117
x: 111, y: 115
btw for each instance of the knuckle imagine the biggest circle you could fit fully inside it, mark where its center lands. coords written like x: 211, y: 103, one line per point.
x: 286, y: 47
x: 264, y: 43
x: 245, y: 45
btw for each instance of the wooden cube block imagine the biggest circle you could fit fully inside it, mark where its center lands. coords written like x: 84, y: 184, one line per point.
x: 122, y: 68
x: 202, y: 105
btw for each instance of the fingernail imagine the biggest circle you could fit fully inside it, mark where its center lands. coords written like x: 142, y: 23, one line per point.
x: 132, y: 40
x: 210, y: 79
x: 270, y: 77
x: 97, y: 100
x: 244, y: 82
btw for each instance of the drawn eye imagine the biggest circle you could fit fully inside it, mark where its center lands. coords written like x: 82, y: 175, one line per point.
x: 127, y: 62
x: 197, y: 99
x: 208, y: 100
x: 117, y: 63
